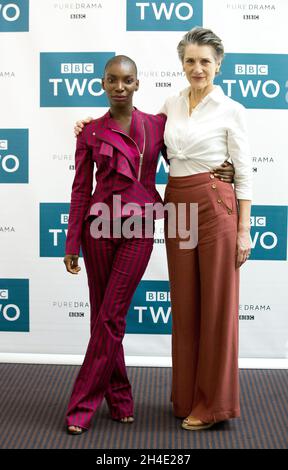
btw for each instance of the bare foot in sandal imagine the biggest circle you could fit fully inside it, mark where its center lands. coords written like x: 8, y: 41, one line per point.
x: 74, y: 430
x: 127, y: 419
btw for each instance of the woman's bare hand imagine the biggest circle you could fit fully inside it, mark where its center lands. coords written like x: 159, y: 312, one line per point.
x: 243, y: 246
x: 80, y: 124
x: 225, y: 172
x: 71, y: 263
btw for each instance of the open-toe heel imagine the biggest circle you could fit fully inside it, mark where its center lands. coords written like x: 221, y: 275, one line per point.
x: 76, y: 431
x: 125, y: 420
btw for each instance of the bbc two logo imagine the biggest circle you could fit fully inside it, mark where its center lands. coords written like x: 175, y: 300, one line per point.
x: 53, y: 229
x: 150, y: 309
x: 257, y: 81
x: 13, y: 156
x: 167, y: 15
x: 14, y: 16
x: 269, y: 233
x: 14, y: 305
x: 72, y: 79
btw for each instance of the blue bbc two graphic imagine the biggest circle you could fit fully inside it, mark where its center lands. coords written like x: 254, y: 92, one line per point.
x: 53, y: 229
x: 162, y: 171
x: 14, y: 305
x: 163, y: 15
x: 150, y: 309
x: 258, y: 81
x: 72, y: 79
x: 14, y: 155
x: 14, y: 16
x: 269, y: 233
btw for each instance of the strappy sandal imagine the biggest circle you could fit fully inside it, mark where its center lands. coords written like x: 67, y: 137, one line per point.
x: 195, y: 427
x: 127, y: 420
x: 124, y: 420
x: 75, y: 432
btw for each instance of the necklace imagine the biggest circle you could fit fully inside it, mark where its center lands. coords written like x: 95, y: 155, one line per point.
x: 191, y: 108
x: 190, y: 105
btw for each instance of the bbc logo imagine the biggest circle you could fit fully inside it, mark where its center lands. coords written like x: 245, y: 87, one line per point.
x: 3, y: 144
x: 4, y: 294
x: 64, y: 218
x: 258, y: 221
x: 77, y: 68
x: 157, y: 296
x: 251, y: 69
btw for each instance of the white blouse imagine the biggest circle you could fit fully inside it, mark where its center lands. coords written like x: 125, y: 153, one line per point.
x: 215, y: 131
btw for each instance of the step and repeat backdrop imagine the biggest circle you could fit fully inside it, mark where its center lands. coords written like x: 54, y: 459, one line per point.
x: 52, y: 54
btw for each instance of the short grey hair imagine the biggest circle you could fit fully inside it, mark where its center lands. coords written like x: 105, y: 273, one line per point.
x: 202, y: 37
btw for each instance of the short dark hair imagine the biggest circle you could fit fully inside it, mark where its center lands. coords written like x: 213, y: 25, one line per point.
x: 120, y: 59
x: 202, y: 37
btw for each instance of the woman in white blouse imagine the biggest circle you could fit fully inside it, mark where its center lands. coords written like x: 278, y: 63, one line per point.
x: 203, y: 128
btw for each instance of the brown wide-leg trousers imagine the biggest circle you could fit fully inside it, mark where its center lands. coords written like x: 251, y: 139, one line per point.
x: 204, y: 285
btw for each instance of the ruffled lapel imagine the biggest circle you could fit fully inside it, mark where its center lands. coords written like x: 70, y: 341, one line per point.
x: 111, y: 135
x: 106, y: 134
x: 110, y: 132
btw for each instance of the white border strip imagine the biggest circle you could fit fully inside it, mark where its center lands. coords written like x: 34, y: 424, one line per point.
x: 136, y: 361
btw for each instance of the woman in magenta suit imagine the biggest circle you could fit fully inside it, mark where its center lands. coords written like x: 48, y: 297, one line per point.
x: 125, y: 145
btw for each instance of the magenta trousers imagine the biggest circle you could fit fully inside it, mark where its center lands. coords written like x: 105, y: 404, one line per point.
x: 114, y: 268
